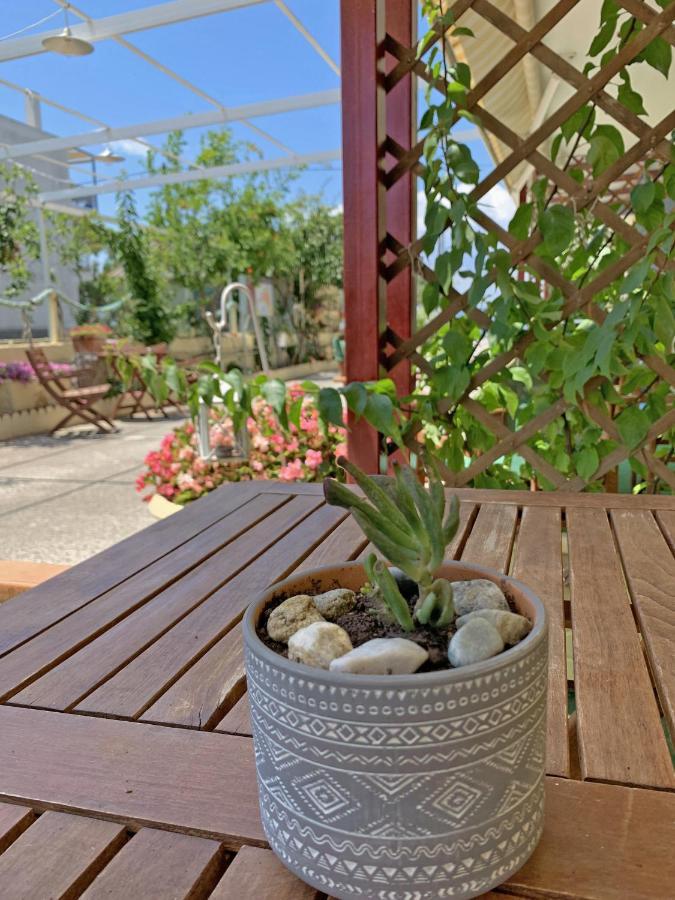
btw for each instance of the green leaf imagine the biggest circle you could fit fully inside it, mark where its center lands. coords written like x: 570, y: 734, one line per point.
x: 658, y: 54
x: 635, y: 277
x: 463, y: 74
x: 557, y: 228
x: 274, y: 391
x: 329, y: 405
x: 356, y: 396
x: 603, y: 37
x: 443, y: 269
x: 519, y: 226
x: 379, y: 412
x: 633, y: 424
x: 642, y: 196
x: 520, y: 374
x: 631, y: 99
x: 606, y: 146
x: 586, y: 462
x: 664, y: 322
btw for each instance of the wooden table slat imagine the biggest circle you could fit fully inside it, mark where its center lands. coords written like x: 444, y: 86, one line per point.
x: 139, y: 684
x: 619, y: 730
x: 150, y: 630
x: 81, y: 672
x: 29, y: 613
x: 255, y: 874
x: 13, y: 820
x: 207, y: 690
x: 492, y: 535
x: 238, y: 719
x: 538, y: 564
x: 553, y: 499
x: 602, y: 842
x: 343, y: 544
x: 181, y: 779
x: 666, y: 519
x: 159, y: 865
x: 57, y: 857
x: 650, y: 572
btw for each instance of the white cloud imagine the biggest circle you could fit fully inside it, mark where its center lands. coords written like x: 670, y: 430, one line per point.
x: 128, y: 147
x: 498, y: 204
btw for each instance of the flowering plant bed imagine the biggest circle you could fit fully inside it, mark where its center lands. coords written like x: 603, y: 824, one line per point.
x: 304, y: 452
x: 19, y: 388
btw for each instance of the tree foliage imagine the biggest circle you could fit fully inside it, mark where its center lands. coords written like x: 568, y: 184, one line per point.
x: 19, y: 243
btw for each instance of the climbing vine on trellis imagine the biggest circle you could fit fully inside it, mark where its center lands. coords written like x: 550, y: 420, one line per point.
x: 553, y: 362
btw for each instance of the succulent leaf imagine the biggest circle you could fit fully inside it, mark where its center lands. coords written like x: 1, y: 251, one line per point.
x: 429, y: 518
x: 390, y: 592
x: 451, y: 523
x: 404, y: 521
x: 339, y: 495
x: 404, y: 558
x: 377, y: 495
x: 435, y: 606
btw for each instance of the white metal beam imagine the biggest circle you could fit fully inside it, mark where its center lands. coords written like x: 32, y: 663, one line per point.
x: 162, y: 126
x: 214, y: 172
x: 85, y: 118
x: 125, y: 23
x: 170, y: 73
x: 308, y: 36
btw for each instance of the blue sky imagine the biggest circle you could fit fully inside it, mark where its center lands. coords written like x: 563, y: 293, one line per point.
x: 238, y: 57
x: 243, y: 56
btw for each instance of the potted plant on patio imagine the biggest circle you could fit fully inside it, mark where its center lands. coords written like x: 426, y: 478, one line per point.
x: 399, y: 712
x: 89, y: 338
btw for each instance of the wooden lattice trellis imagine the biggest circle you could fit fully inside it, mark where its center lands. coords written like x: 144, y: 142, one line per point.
x: 382, y: 160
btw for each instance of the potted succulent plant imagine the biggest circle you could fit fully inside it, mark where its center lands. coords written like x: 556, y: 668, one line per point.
x: 399, y: 712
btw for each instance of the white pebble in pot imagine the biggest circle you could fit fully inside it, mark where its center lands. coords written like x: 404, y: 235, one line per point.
x: 335, y: 603
x: 479, y: 593
x: 292, y: 615
x: 511, y: 626
x: 382, y: 656
x: 474, y: 642
x: 318, y: 644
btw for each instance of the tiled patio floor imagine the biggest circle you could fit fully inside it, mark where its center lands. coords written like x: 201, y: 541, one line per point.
x: 62, y: 499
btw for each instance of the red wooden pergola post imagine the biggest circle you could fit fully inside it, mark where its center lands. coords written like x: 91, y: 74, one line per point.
x: 371, y: 212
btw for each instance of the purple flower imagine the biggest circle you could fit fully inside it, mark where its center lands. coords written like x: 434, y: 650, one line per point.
x: 23, y: 371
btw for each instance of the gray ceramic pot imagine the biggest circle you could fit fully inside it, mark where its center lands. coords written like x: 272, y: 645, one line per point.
x: 401, y: 787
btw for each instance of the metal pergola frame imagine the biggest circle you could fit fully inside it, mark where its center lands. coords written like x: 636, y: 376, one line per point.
x: 115, y: 28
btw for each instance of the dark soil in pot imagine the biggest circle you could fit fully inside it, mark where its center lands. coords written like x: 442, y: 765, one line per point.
x: 370, y: 619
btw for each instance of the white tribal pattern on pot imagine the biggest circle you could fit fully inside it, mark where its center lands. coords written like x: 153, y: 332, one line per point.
x: 401, y: 792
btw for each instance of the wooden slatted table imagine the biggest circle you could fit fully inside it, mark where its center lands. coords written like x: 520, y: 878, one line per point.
x: 126, y: 764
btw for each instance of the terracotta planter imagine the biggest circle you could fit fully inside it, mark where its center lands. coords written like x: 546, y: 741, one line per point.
x: 88, y: 343
x: 402, y: 787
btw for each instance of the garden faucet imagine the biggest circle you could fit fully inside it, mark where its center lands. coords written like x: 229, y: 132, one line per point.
x: 219, y: 326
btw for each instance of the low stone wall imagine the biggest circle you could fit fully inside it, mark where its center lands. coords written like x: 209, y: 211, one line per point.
x: 41, y: 420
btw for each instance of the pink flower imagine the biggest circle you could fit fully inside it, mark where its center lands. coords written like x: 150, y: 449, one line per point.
x: 313, y: 459
x: 260, y: 443
x: 257, y: 466
x: 291, y: 471
x: 341, y: 450
x: 292, y: 446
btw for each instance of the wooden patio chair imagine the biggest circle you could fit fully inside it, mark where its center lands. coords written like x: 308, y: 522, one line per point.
x: 79, y: 401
